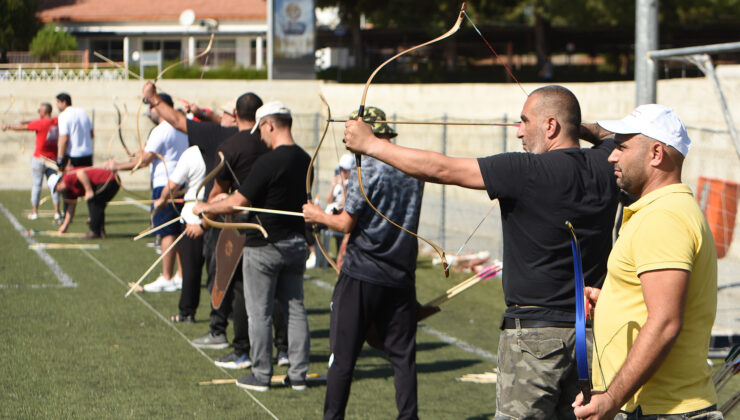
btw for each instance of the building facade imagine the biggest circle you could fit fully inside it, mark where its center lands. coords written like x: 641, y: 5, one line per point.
x: 129, y: 31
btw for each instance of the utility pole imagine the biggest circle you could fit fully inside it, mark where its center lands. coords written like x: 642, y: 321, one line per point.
x: 646, y: 39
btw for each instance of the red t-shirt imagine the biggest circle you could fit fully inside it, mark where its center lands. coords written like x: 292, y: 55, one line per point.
x: 47, y: 136
x: 98, y: 176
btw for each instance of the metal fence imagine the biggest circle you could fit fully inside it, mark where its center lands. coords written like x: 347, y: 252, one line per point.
x: 449, y: 214
x: 59, y: 72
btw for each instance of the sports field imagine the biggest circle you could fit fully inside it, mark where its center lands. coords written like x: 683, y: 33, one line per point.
x: 73, y: 347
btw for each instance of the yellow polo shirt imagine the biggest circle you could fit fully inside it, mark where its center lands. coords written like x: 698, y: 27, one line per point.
x: 665, y: 229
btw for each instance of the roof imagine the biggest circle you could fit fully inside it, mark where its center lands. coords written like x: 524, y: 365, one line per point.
x: 148, y: 10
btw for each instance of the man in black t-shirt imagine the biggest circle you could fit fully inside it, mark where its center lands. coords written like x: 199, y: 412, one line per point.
x: 240, y: 152
x: 537, y: 191
x: 376, y: 285
x: 207, y: 134
x: 273, y: 266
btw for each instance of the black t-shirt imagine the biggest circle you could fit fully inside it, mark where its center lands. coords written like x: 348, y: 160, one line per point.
x: 537, y: 195
x: 208, y: 137
x: 277, y: 181
x: 240, y: 152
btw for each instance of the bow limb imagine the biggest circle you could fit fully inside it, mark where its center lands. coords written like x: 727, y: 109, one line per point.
x: 584, y: 381
x: 212, y: 174
x: 121, y: 121
x: 309, y: 183
x: 361, y: 113
x: 233, y: 225
x: 138, y: 138
x: 201, y: 54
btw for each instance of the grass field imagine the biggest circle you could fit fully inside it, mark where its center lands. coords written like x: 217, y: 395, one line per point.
x: 81, y: 350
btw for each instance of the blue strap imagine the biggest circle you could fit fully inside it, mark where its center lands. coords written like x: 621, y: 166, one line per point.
x: 581, y: 347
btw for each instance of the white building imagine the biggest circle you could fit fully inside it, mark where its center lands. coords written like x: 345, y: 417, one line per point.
x: 123, y: 30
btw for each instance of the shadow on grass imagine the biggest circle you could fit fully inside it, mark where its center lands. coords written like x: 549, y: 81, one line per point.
x: 320, y: 333
x: 484, y: 416
x: 430, y: 346
x: 318, y: 311
x: 385, y: 370
x: 119, y: 235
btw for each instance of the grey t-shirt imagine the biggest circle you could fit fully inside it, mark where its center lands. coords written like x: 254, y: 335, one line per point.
x: 379, y: 252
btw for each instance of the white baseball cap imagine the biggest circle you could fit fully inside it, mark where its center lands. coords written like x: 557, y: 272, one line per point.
x: 346, y: 161
x: 52, y: 181
x: 270, y: 108
x: 655, y: 121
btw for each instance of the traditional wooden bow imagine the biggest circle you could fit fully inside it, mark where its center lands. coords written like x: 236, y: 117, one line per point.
x: 309, y: 183
x: 361, y: 114
x: 156, y: 79
x: 121, y: 121
x: 224, y: 225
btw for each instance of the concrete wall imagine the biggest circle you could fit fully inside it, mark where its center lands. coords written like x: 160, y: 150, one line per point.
x: 712, y: 152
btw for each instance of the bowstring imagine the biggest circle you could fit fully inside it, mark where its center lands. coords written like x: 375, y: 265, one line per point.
x: 508, y: 70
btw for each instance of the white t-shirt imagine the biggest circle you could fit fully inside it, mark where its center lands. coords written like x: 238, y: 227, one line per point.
x: 190, y: 172
x: 74, y: 122
x: 168, y: 142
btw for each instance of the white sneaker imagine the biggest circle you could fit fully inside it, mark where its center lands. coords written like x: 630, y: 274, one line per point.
x: 33, y: 216
x: 58, y: 218
x: 311, y: 261
x: 177, y: 281
x: 160, y: 285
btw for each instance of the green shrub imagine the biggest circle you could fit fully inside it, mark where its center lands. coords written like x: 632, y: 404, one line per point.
x: 49, y: 41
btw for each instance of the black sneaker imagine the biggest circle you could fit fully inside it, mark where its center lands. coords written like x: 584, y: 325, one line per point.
x: 251, y: 382
x: 296, y: 384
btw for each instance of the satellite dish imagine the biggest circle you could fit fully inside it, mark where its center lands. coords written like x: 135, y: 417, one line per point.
x: 187, y: 17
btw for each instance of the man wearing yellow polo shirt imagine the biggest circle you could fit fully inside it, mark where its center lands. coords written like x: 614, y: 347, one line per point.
x: 655, y: 312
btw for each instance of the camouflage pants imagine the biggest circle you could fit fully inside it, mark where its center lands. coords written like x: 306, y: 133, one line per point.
x: 709, y: 413
x: 537, y: 377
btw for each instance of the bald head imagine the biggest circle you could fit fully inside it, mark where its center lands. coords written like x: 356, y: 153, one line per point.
x: 559, y: 102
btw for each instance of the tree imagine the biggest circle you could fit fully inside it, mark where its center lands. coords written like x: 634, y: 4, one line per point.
x: 49, y: 41
x: 18, y: 24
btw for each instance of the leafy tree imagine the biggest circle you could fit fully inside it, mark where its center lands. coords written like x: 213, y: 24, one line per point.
x: 18, y: 24
x: 541, y: 15
x: 50, y: 40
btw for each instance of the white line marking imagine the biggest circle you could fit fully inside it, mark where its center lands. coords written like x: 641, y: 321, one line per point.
x: 440, y: 335
x: 171, y: 325
x: 34, y: 286
x: 139, y: 205
x: 53, y: 266
x: 461, y: 344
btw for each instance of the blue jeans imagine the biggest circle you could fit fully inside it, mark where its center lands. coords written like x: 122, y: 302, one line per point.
x: 38, y: 170
x: 276, y: 271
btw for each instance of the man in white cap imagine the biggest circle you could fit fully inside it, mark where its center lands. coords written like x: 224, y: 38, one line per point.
x: 273, y: 266
x: 655, y: 312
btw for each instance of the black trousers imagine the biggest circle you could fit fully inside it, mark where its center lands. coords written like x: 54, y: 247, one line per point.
x: 81, y: 161
x: 96, y: 206
x: 234, y: 306
x: 355, y: 306
x: 191, y: 255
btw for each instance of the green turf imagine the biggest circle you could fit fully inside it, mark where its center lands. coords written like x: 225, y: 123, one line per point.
x: 86, y: 352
